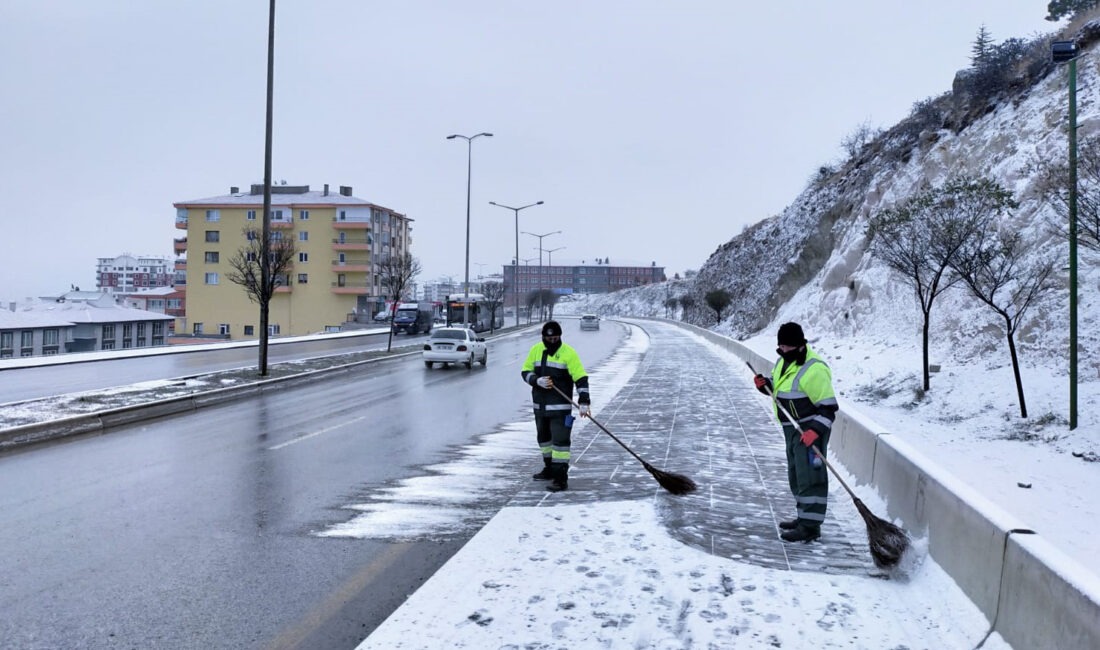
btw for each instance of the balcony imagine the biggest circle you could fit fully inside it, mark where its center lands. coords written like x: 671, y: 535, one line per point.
x: 351, y: 244
x: 181, y: 264
x: 351, y: 266
x: 283, y: 223
x: 179, y: 245
x: 348, y: 224
x: 347, y: 289
x: 181, y: 223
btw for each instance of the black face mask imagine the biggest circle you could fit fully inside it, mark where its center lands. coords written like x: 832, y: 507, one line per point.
x: 552, y: 347
x: 792, y: 356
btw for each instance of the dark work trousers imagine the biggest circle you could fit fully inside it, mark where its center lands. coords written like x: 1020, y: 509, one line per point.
x: 809, y: 485
x: 553, y: 436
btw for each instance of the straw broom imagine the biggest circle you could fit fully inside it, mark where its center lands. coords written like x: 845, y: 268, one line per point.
x: 675, y: 483
x: 888, y: 542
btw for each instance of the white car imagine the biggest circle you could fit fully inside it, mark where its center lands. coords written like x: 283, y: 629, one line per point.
x: 455, y: 345
x: 590, y: 322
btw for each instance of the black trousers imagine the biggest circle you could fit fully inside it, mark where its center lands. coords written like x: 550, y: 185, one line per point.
x: 553, y: 435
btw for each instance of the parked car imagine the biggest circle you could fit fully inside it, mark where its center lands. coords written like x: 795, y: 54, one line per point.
x: 590, y: 322
x: 455, y: 345
x: 382, y: 317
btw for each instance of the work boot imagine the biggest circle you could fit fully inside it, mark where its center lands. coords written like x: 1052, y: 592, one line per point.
x: 561, y: 478
x: 790, y: 524
x: 546, y: 474
x: 801, y: 534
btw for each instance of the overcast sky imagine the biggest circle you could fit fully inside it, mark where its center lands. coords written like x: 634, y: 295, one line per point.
x: 653, y: 131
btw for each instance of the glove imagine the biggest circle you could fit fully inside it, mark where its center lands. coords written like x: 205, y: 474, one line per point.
x: 545, y: 382
x: 585, y: 410
x: 760, y: 381
x: 809, y: 437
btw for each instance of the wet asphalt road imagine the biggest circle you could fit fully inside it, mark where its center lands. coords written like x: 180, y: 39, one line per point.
x: 197, y: 531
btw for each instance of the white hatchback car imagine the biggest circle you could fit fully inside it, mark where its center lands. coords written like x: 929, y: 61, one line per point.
x: 590, y: 322
x: 455, y: 345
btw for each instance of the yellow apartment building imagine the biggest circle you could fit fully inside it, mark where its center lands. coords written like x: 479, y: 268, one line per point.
x: 333, y: 285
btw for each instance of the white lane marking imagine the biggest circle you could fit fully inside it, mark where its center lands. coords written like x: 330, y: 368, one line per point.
x: 316, y: 433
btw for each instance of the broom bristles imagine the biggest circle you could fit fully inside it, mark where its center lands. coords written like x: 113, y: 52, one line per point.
x: 673, y: 483
x: 888, y: 542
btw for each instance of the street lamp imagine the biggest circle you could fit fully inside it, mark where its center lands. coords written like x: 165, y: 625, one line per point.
x: 469, y: 166
x: 550, y: 255
x: 515, y: 267
x: 556, y: 232
x: 1066, y: 52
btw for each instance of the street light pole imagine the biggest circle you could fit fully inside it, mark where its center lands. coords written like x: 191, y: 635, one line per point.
x: 1062, y: 52
x: 550, y: 255
x: 469, y: 172
x: 556, y: 232
x: 515, y: 267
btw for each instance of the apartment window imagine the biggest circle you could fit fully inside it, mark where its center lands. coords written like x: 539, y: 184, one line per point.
x: 303, y: 257
x: 107, y: 345
x: 223, y: 329
x: 250, y: 256
x: 51, y: 337
x: 141, y: 335
x: 303, y: 278
x: 341, y: 280
x: 213, y: 236
x: 303, y: 215
x: 211, y: 257
x: 303, y: 236
x: 6, y: 340
x: 277, y: 236
x: 196, y: 328
x: 250, y: 215
x: 213, y: 215
x: 273, y: 330
x: 26, y: 339
x: 249, y: 330
x: 128, y: 331
x: 211, y: 278
x: 341, y: 258
x: 127, y: 343
x: 341, y: 238
x: 276, y: 215
x: 158, y: 328
x: 252, y: 235
x: 108, y: 334
x: 343, y: 215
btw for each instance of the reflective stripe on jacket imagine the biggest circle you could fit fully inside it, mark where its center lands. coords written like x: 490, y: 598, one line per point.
x: 565, y: 368
x: 806, y: 391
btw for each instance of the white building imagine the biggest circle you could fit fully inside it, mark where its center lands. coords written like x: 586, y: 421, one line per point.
x: 127, y: 273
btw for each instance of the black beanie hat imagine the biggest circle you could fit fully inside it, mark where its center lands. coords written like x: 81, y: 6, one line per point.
x: 791, y: 334
x: 551, y: 328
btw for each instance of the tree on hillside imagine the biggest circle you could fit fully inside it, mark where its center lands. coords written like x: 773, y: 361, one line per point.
x: 687, y: 301
x: 995, y: 267
x: 718, y: 300
x: 982, y: 48
x: 1059, y: 9
x: 670, y: 306
x: 921, y: 237
x: 396, y: 273
x: 494, y: 299
x: 247, y: 271
x: 1052, y: 182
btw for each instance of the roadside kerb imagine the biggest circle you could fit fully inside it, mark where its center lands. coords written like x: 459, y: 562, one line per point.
x: 1025, y: 586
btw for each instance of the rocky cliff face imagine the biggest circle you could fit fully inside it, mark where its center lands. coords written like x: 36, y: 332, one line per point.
x: 811, y: 263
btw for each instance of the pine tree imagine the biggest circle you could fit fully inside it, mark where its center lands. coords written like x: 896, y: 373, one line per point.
x: 982, y: 48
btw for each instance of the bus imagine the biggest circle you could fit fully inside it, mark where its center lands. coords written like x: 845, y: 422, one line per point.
x: 478, y: 312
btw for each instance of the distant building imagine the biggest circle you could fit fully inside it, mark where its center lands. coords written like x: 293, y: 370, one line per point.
x: 161, y: 300
x: 127, y: 273
x: 334, y: 281
x: 76, y: 323
x: 587, y: 277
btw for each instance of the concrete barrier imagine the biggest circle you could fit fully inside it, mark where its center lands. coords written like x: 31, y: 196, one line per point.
x: 1030, y: 591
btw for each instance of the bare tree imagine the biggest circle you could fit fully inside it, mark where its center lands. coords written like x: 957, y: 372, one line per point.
x: 396, y: 274
x: 247, y: 272
x: 996, y: 270
x: 543, y: 299
x: 494, y: 300
x: 921, y: 237
x: 863, y: 135
x: 718, y: 300
x: 687, y: 301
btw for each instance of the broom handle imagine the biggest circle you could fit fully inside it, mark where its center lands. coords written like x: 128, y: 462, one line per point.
x: 602, y: 427
x: 793, y: 423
